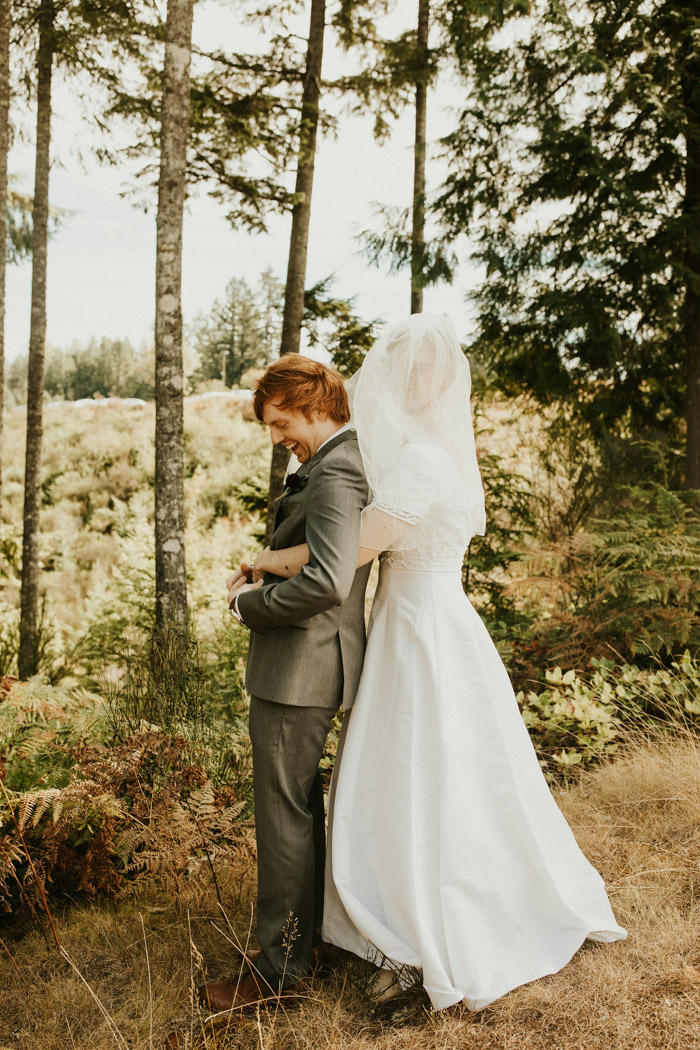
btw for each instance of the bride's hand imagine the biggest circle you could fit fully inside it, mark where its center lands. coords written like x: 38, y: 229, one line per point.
x: 259, y: 569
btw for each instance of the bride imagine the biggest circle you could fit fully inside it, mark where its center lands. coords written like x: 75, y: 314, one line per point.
x: 446, y: 851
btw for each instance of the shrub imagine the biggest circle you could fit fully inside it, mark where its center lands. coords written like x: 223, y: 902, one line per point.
x: 628, y: 585
x: 572, y: 721
x: 39, y: 724
x: 48, y: 660
x: 509, y: 521
x: 109, y: 812
x: 578, y: 719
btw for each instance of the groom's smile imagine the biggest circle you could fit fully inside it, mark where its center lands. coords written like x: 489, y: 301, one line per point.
x: 301, y: 435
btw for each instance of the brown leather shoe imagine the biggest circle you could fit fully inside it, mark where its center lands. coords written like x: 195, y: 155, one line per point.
x: 319, y: 959
x: 246, y: 994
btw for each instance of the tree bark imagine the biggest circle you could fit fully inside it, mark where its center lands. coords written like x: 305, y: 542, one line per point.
x: 691, y: 319
x: 418, y: 229
x: 171, y: 581
x: 301, y: 215
x: 4, y: 149
x: 29, y: 595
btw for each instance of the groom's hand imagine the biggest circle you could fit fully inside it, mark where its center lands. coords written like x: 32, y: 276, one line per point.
x: 238, y: 584
x: 242, y: 575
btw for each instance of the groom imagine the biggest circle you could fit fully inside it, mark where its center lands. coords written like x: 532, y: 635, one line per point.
x: 306, y: 650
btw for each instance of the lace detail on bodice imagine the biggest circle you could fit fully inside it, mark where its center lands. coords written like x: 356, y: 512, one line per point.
x: 393, y: 508
x: 435, y: 550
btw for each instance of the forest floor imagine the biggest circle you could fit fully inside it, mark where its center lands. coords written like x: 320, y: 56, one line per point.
x: 130, y: 969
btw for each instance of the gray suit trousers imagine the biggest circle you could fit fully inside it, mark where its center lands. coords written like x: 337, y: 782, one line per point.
x: 288, y: 743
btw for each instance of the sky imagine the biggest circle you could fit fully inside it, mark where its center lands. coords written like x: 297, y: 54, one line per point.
x: 101, y: 270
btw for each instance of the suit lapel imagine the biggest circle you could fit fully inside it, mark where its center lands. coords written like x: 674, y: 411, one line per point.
x: 332, y: 443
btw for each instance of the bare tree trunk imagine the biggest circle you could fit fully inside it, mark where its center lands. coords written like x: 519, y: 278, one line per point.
x: 418, y: 229
x: 691, y: 320
x: 4, y: 148
x: 171, y: 581
x: 301, y: 214
x: 29, y: 597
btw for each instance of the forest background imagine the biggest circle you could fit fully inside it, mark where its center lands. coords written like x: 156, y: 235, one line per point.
x: 554, y: 210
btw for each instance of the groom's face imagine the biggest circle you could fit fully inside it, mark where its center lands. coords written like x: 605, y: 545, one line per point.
x: 291, y: 428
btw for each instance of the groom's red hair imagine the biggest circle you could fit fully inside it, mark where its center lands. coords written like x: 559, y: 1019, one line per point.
x: 298, y: 382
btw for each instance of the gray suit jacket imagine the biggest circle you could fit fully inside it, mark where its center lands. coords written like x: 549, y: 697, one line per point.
x: 307, y: 637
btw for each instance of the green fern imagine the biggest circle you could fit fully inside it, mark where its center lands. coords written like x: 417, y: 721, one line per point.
x: 628, y: 584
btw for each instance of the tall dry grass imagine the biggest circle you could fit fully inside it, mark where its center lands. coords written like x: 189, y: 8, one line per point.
x: 128, y: 985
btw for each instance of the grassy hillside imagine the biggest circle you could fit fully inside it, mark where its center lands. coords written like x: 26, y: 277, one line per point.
x: 97, y: 516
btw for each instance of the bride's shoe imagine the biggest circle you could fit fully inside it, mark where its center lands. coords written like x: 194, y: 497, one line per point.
x: 385, y: 986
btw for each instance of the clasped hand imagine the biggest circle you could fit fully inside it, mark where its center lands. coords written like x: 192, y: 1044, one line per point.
x: 246, y: 578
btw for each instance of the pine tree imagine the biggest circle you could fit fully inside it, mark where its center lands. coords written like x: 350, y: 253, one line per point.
x: 332, y: 323
x: 242, y: 329
x: 690, y: 214
x: 241, y: 118
x: 18, y: 233
x: 576, y: 170
x: 399, y: 74
x: 171, y: 581
x: 418, y: 223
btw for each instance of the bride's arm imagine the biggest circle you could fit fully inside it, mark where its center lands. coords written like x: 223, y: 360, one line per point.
x: 377, y: 533
x: 286, y: 562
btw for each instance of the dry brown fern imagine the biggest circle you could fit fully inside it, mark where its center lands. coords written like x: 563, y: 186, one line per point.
x: 34, y: 805
x: 141, y: 810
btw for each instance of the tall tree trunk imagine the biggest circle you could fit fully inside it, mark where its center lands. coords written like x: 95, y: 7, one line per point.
x: 301, y: 214
x: 29, y: 596
x: 691, y: 320
x: 4, y: 149
x: 418, y: 229
x: 171, y: 581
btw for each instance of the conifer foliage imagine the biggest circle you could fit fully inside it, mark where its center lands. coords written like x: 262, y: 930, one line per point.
x: 576, y: 167
x: 301, y: 218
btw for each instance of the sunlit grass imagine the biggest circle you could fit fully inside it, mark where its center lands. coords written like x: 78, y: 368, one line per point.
x: 637, y: 819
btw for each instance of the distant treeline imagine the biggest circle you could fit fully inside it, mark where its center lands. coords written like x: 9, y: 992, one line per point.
x: 102, y: 366
x: 240, y: 332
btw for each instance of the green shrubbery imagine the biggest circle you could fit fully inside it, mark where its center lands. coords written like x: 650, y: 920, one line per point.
x: 585, y: 556
x: 579, y: 719
x: 97, y: 529
x: 628, y: 584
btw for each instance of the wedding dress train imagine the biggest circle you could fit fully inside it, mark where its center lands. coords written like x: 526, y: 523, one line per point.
x: 446, y: 849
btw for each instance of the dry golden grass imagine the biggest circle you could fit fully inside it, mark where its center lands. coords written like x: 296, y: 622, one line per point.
x: 637, y: 819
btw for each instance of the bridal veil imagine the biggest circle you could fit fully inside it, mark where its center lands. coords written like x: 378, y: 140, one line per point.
x: 410, y: 404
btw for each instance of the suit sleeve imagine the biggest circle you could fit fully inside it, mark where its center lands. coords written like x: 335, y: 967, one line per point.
x: 337, y: 495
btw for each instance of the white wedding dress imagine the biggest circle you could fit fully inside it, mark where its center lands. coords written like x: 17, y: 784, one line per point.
x: 446, y: 850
